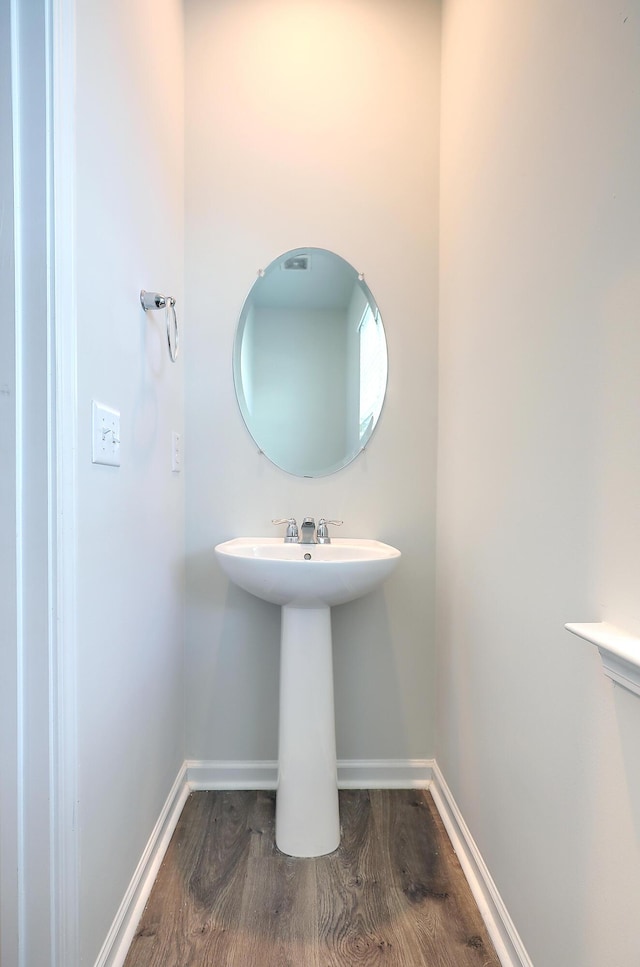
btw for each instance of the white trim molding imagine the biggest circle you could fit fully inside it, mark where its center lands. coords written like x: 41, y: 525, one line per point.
x: 63, y: 421
x: 230, y: 774
x: 63, y: 780
x: 509, y: 947
x: 352, y: 774
x: 384, y: 773
x: 619, y: 651
x: 118, y: 940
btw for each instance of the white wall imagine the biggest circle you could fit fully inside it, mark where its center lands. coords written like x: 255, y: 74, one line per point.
x: 538, y: 459
x: 311, y: 124
x: 130, y: 526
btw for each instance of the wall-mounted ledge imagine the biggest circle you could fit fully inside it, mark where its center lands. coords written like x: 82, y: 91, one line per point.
x: 619, y: 651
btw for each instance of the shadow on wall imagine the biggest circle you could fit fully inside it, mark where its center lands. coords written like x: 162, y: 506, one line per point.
x: 369, y: 705
x: 234, y: 641
x: 627, y: 707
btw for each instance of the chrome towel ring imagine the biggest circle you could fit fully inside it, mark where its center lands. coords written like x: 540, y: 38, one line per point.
x: 153, y: 300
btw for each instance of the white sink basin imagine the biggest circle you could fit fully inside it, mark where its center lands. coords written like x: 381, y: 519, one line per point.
x: 307, y: 575
x: 306, y: 580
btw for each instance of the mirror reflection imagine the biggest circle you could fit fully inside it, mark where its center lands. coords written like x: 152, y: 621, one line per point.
x: 310, y: 362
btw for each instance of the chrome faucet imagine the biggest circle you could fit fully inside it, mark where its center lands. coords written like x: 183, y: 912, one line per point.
x: 308, y: 531
x: 323, y: 530
x: 291, y: 536
x: 308, y: 535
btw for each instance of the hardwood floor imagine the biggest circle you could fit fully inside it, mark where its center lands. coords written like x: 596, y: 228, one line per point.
x: 393, y: 893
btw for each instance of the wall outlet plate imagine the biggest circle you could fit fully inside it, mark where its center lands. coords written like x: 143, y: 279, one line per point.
x: 105, y: 429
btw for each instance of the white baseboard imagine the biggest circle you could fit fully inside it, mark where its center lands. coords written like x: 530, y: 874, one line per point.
x: 118, y: 940
x: 509, y: 947
x: 384, y: 773
x: 197, y: 774
x: 352, y: 774
x: 229, y: 774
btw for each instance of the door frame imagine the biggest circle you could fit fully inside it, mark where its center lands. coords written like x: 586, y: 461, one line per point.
x: 39, y: 921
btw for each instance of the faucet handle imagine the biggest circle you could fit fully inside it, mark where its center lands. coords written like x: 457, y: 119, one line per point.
x: 291, y: 536
x: 323, y: 529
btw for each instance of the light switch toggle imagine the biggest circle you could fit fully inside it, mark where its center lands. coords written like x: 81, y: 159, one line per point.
x: 106, y: 431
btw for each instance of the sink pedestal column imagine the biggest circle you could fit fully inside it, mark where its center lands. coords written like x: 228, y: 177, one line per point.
x: 307, y: 817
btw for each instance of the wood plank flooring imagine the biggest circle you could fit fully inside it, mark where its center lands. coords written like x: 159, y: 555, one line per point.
x: 392, y: 894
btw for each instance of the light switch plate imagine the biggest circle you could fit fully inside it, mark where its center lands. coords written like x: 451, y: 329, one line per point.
x: 105, y: 426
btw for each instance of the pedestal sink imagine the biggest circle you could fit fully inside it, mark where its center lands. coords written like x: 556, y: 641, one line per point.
x: 306, y: 580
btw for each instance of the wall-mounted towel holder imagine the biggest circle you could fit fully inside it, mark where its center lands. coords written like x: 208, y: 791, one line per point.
x: 152, y: 301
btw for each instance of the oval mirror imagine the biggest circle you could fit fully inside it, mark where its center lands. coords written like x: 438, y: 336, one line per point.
x: 310, y: 362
